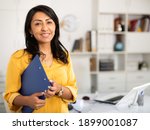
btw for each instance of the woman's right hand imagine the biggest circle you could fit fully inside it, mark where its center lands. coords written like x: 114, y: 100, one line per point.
x: 34, y: 102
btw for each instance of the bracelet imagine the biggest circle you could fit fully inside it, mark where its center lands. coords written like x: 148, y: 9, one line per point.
x: 60, y: 93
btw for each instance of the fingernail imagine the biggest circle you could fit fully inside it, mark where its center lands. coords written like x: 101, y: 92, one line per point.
x: 49, y: 86
x: 51, y: 81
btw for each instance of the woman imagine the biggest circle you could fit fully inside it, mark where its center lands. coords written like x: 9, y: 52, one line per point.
x: 41, y: 36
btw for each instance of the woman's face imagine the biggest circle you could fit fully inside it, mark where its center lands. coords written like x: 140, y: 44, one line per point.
x: 42, y: 28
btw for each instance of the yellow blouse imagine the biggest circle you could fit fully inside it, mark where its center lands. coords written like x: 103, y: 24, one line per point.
x: 61, y: 73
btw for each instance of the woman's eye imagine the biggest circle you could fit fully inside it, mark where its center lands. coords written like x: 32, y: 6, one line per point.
x: 49, y: 22
x: 37, y: 24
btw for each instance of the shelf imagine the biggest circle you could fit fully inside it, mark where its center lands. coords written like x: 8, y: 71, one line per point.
x: 83, y: 53
x: 115, y: 33
x: 112, y: 52
x: 130, y: 53
x: 94, y: 72
x: 120, y: 70
x: 114, y: 25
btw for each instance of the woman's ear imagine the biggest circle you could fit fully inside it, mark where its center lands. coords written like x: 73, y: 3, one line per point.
x: 31, y: 33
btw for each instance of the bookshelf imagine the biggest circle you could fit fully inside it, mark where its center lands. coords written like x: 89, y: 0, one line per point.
x: 128, y: 23
x: 121, y: 59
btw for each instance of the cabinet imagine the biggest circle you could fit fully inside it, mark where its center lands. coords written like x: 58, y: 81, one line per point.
x: 126, y: 22
x: 110, y: 82
x: 122, y: 57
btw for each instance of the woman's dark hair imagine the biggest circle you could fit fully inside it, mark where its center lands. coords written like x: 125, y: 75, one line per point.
x: 58, y: 50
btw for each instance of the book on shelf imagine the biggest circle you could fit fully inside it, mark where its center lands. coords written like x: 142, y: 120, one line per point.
x: 90, y: 40
x: 93, y: 40
x: 93, y: 64
x: 106, y: 65
x: 132, y: 24
x: 140, y: 24
x: 78, y: 45
x: 87, y: 41
x: 146, y: 23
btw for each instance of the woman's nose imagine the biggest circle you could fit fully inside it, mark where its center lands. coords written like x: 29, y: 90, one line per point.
x: 44, y: 27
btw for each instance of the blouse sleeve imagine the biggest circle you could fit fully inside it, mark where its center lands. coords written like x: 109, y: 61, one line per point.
x: 13, y: 83
x: 71, y: 84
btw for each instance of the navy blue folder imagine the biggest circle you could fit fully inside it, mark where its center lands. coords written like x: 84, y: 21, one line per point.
x: 33, y: 79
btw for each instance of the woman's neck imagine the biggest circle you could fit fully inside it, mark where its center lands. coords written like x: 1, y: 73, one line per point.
x: 46, y: 49
x: 47, y: 56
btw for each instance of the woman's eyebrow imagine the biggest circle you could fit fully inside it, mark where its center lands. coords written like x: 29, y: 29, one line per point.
x: 41, y: 20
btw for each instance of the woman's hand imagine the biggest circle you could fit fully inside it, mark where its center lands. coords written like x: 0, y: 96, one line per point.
x: 53, y: 90
x: 34, y: 102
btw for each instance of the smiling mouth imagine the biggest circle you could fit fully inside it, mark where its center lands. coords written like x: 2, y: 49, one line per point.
x: 45, y: 35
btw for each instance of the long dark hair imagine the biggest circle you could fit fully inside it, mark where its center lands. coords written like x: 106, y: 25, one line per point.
x: 59, y: 52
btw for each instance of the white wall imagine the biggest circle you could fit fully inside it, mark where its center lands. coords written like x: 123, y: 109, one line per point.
x: 13, y: 13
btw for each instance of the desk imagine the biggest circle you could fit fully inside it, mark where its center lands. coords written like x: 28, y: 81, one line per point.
x: 91, y: 106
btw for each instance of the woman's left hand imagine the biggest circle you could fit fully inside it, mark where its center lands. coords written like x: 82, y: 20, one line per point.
x: 53, y: 90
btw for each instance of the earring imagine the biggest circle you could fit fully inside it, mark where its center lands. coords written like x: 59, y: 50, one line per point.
x: 31, y: 35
